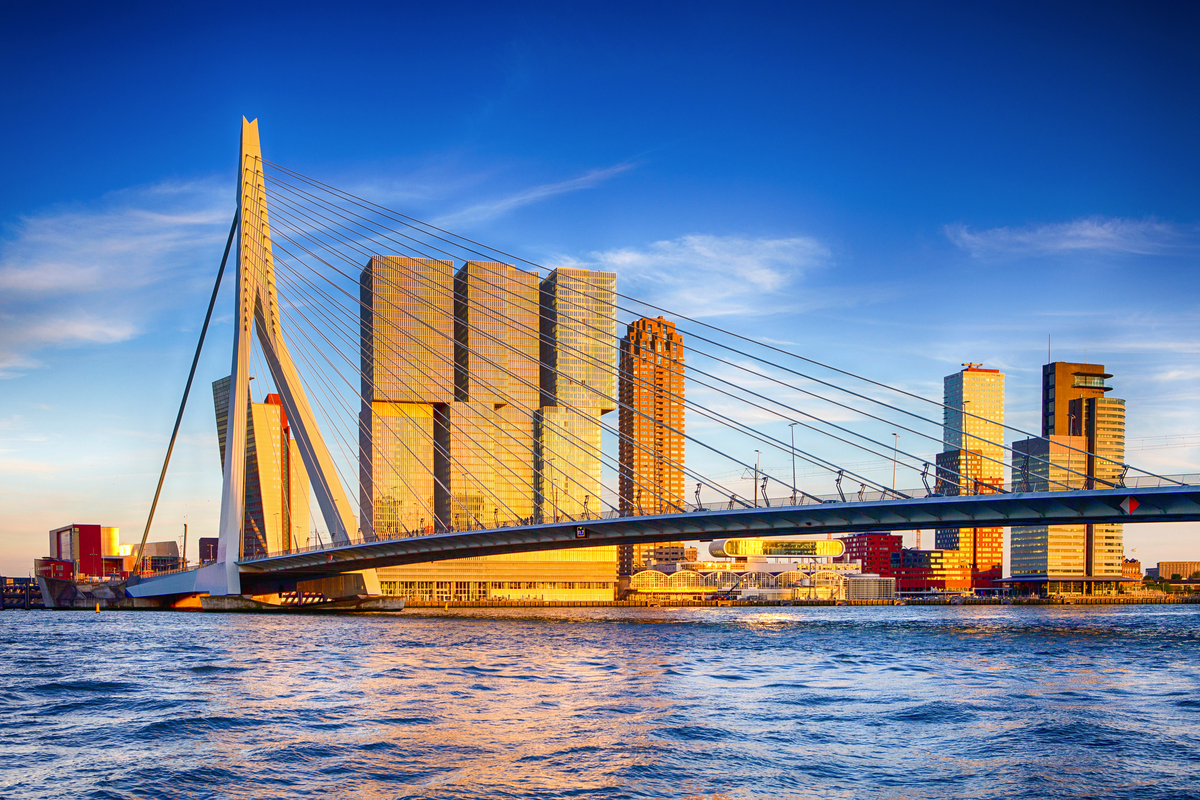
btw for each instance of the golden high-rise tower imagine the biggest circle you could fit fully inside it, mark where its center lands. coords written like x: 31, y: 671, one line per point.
x: 1076, y: 413
x: 973, y: 463
x: 461, y: 425
x: 652, y: 425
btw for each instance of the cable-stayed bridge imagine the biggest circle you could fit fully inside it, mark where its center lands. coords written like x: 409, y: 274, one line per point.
x: 444, y: 399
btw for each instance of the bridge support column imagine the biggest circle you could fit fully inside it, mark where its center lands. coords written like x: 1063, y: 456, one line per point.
x: 257, y: 311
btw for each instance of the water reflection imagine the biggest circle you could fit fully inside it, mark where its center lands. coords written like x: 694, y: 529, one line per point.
x: 522, y: 703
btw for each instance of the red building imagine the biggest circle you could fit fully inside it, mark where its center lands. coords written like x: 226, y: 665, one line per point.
x: 82, y: 551
x: 914, y: 570
x: 873, y: 551
x: 53, y: 568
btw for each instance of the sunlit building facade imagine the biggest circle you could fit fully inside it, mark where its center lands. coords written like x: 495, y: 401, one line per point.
x: 276, y: 515
x: 567, y: 464
x: 1179, y: 570
x: 651, y: 423
x: 407, y: 368
x: 935, y: 570
x: 467, y: 434
x: 651, y: 447
x: 1062, y: 383
x: 972, y: 462
x: 578, y: 385
x: 1083, y: 446
x: 579, y: 339
x: 1066, y: 559
x: 873, y: 550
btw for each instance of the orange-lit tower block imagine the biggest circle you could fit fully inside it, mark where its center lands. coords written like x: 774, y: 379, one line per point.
x: 651, y: 422
x: 972, y: 462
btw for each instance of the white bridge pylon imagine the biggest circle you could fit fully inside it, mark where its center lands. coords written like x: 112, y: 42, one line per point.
x: 257, y: 304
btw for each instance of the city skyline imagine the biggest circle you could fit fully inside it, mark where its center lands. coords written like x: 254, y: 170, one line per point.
x: 697, y: 400
x: 898, y: 243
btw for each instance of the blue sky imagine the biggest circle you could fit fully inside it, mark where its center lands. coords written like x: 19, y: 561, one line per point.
x: 894, y: 190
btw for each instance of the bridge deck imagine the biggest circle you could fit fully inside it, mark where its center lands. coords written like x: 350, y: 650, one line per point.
x: 273, y: 573
x: 1161, y: 504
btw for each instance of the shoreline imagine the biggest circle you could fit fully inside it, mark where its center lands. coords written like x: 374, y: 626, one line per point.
x: 193, y: 604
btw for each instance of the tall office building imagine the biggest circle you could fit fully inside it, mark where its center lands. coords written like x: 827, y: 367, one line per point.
x: 1054, y: 554
x: 578, y: 385
x: 1062, y: 383
x: 972, y: 462
x: 579, y: 339
x: 518, y: 417
x: 407, y: 366
x: 276, y: 515
x: 1083, y: 445
x: 651, y: 446
x: 458, y: 435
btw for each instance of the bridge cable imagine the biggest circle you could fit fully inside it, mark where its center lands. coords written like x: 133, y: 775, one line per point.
x: 348, y: 334
x: 532, y: 386
x: 779, y: 445
x: 775, y: 380
x: 725, y: 420
x: 366, y: 203
x: 400, y: 439
x: 137, y: 562
x: 568, y: 405
x: 564, y: 474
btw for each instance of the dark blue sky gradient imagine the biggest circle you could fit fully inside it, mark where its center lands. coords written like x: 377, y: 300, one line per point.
x: 996, y: 116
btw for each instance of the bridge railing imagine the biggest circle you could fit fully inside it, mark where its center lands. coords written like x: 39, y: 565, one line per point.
x: 851, y: 496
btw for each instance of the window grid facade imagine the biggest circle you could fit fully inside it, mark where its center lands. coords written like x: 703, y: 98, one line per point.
x: 474, y: 413
x: 973, y: 463
x: 651, y: 424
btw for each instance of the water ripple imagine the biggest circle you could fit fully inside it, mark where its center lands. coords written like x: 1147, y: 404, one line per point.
x: 892, y: 702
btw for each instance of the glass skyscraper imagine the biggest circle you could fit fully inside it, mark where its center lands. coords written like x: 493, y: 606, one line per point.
x: 1084, y: 442
x: 972, y: 462
x: 578, y: 385
x: 463, y: 426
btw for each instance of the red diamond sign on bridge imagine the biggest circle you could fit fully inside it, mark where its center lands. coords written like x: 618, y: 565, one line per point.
x: 1129, y: 505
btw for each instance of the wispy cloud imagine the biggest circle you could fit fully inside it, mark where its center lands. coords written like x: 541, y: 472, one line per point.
x: 78, y: 275
x: 482, y: 212
x: 1095, y: 234
x: 704, y: 275
x: 24, y: 466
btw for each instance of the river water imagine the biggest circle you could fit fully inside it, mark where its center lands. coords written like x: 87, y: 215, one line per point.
x: 908, y: 702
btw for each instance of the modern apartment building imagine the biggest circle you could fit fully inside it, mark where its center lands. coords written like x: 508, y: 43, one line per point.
x: 884, y: 554
x: 1186, y: 570
x: 651, y: 445
x: 972, y: 462
x: 873, y: 551
x: 276, y: 515
x: 1084, y: 447
x: 651, y: 448
x: 462, y: 425
x: 1062, y: 383
x: 932, y: 571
